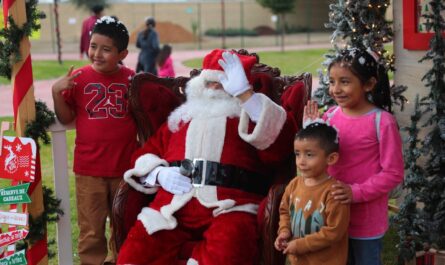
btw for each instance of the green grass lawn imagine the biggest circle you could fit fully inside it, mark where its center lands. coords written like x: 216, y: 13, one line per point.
x: 290, y: 63
x: 45, y: 69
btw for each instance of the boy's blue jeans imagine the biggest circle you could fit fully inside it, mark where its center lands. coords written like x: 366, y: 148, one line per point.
x: 365, y: 251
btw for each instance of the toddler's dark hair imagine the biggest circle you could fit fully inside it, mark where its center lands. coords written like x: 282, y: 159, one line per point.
x: 325, y: 135
x: 164, y: 54
x: 114, y: 29
x: 363, y: 65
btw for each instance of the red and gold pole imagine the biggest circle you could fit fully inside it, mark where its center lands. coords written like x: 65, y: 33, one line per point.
x: 24, y: 112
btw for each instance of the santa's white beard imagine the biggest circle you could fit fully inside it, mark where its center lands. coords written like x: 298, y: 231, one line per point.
x: 203, y: 103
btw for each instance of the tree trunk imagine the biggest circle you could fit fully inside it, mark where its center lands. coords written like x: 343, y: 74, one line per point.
x: 58, y: 39
x: 282, y: 27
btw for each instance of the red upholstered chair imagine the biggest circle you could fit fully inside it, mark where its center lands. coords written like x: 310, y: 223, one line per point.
x: 147, y: 91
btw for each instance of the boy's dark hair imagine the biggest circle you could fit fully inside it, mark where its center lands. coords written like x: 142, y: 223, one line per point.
x: 325, y: 135
x: 113, y: 29
x: 364, y: 66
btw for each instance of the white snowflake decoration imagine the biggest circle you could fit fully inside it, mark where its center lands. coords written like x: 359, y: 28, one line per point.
x: 18, y: 148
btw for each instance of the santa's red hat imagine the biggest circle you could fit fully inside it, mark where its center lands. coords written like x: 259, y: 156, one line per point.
x: 211, y: 68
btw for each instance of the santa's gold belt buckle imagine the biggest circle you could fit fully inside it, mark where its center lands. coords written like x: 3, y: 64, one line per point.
x: 203, y: 172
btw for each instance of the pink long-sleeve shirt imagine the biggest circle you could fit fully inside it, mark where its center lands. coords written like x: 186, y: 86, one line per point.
x: 371, y: 164
x: 167, y: 70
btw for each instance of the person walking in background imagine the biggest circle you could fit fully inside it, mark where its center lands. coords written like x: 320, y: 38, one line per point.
x: 96, y: 97
x: 164, y: 62
x: 148, y: 42
x: 87, y: 27
x: 313, y: 227
x: 371, y: 159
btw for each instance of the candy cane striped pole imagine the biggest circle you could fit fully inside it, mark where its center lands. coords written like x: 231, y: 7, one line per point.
x: 24, y: 112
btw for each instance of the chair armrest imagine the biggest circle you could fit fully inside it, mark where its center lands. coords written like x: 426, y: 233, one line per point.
x: 268, y: 227
x: 127, y: 204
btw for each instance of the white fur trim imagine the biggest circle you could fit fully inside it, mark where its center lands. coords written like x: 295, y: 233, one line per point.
x: 208, y: 197
x: 211, y: 75
x: 205, y: 138
x: 177, y: 202
x: 154, y: 221
x: 268, y: 127
x: 144, y: 164
x: 248, y: 208
x: 192, y: 261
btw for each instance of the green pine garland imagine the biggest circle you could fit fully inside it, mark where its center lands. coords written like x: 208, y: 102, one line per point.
x: 38, y: 128
x: 37, y: 226
x: 12, y: 35
x: 10, y: 38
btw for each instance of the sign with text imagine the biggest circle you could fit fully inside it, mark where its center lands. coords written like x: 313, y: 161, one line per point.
x: 12, y: 237
x: 13, y: 218
x: 18, y: 158
x: 17, y: 258
x: 15, y: 194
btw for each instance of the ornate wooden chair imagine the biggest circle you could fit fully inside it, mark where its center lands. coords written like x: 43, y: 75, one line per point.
x: 292, y: 92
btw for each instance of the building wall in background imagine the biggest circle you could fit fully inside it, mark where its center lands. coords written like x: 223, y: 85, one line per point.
x: 409, y: 71
x: 307, y: 13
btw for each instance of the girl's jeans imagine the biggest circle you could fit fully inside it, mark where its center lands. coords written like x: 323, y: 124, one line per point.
x: 365, y: 251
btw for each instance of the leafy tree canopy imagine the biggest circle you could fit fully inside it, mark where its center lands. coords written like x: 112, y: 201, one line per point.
x: 88, y: 4
x: 278, y: 6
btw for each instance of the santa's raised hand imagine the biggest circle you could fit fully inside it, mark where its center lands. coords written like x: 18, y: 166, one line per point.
x: 234, y: 80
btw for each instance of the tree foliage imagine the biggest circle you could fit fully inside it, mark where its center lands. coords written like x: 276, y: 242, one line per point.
x: 88, y: 4
x: 278, y: 6
x: 423, y: 225
x: 433, y: 145
x: 359, y: 24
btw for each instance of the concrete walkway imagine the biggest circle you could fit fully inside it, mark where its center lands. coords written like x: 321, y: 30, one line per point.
x: 42, y: 89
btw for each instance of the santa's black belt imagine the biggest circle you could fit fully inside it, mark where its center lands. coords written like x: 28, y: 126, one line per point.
x: 216, y: 174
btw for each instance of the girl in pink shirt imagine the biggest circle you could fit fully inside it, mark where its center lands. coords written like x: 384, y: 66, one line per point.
x: 371, y: 160
x: 165, y: 62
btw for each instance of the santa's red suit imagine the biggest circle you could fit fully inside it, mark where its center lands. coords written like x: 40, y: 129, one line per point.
x: 210, y: 127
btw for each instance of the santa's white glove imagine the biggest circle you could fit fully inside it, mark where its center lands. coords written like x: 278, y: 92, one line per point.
x: 234, y: 81
x: 172, y: 181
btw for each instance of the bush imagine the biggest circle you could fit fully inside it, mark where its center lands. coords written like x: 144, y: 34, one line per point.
x: 264, y: 30
x: 297, y: 29
x: 230, y: 32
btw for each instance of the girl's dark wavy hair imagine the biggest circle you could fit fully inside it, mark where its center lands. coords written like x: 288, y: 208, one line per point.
x: 363, y: 65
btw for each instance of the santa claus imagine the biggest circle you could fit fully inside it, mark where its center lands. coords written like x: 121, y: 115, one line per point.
x: 234, y: 138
